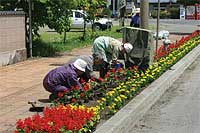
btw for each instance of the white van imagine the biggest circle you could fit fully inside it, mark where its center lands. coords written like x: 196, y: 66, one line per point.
x: 77, y: 18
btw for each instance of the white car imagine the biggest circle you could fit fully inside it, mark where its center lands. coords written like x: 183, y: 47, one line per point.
x: 77, y: 18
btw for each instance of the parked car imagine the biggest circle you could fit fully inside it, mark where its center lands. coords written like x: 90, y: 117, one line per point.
x: 77, y: 18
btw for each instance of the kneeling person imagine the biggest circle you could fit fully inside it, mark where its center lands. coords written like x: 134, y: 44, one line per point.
x: 63, y: 78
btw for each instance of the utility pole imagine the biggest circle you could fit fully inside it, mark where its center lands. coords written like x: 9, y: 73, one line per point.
x: 114, y: 8
x: 144, y: 8
x: 30, y: 27
x: 158, y: 23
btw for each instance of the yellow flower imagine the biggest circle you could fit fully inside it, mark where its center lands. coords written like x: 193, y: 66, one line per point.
x: 110, y: 107
x: 116, y: 100
x: 150, y: 67
x: 103, y: 99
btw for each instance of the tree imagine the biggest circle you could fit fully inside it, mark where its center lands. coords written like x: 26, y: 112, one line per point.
x: 59, y: 12
x: 91, y: 7
x: 188, y: 2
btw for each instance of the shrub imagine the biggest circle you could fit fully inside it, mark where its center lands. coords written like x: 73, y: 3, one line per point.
x: 163, y: 14
x: 40, y: 48
x: 174, y: 13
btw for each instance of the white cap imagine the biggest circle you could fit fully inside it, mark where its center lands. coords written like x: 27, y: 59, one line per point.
x: 137, y: 10
x: 167, y: 41
x: 80, y: 64
x: 128, y: 47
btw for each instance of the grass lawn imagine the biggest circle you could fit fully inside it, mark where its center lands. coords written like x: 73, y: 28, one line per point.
x: 51, y: 43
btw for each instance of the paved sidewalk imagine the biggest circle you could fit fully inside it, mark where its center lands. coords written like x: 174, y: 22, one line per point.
x: 22, y: 82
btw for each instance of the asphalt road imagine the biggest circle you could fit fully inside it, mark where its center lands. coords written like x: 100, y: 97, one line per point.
x: 174, y: 26
x: 178, y: 109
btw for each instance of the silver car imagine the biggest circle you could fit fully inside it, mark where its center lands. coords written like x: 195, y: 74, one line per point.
x: 77, y: 18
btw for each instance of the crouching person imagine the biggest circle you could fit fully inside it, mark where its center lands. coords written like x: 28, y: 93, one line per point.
x: 92, y: 63
x: 61, y: 79
x: 110, y: 49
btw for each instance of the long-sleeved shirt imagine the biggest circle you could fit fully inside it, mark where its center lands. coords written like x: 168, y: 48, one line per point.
x: 109, y: 48
x: 64, y: 76
x: 135, y: 19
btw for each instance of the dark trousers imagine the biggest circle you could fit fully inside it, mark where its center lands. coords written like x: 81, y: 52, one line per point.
x: 103, y: 69
x: 142, y: 64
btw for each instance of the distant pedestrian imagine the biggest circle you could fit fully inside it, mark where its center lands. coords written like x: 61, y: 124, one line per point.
x: 135, y: 20
x: 61, y: 79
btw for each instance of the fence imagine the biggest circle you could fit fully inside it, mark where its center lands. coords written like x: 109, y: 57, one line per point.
x: 12, y: 37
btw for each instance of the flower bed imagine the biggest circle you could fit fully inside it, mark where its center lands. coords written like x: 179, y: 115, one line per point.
x: 120, y: 86
x: 60, y: 119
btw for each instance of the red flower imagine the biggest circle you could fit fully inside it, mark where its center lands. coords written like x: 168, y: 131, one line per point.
x: 60, y: 94
x: 66, y: 91
x: 81, y: 95
x: 20, y: 124
x: 86, y: 87
x: 107, y: 75
x: 93, y: 79
x: 76, y: 87
x: 100, y: 79
x: 135, y: 67
x: 113, y: 70
x: 55, y: 118
x: 73, y: 100
x: 130, y: 68
x: 119, y: 69
x: 82, y: 80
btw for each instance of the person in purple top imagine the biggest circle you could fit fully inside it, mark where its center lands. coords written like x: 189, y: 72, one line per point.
x: 63, y: 78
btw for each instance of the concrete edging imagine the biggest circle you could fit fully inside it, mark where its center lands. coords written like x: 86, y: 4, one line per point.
x: 127, y: 117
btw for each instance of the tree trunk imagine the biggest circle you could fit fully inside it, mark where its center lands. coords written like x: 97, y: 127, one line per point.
x: 64, y: 40
x: 84, y: 30
x: 93, y: 30
x: 144, y: 7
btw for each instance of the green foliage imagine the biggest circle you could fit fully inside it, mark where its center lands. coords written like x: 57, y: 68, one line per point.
x: 188, y: 2
x: 48, y: 44
x: 39, y: 16
x: 107, y: 12
x: 164, y: 14
x: 174, y: 13
x: 59, y: 12
x: 92, y: 8
x: 7, y: 5
x: 43, y: 49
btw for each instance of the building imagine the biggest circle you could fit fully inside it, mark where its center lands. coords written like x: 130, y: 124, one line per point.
x: 163, y: 4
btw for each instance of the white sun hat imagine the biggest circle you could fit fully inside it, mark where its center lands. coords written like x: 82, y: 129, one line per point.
x: 80, y: 64
x: 128, y: 47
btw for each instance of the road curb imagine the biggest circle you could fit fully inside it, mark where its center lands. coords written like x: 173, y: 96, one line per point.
x: 124, y: 120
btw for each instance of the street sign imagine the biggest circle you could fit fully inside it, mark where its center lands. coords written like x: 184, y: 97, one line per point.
x: 197, y: 11
x: 190, y: 12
